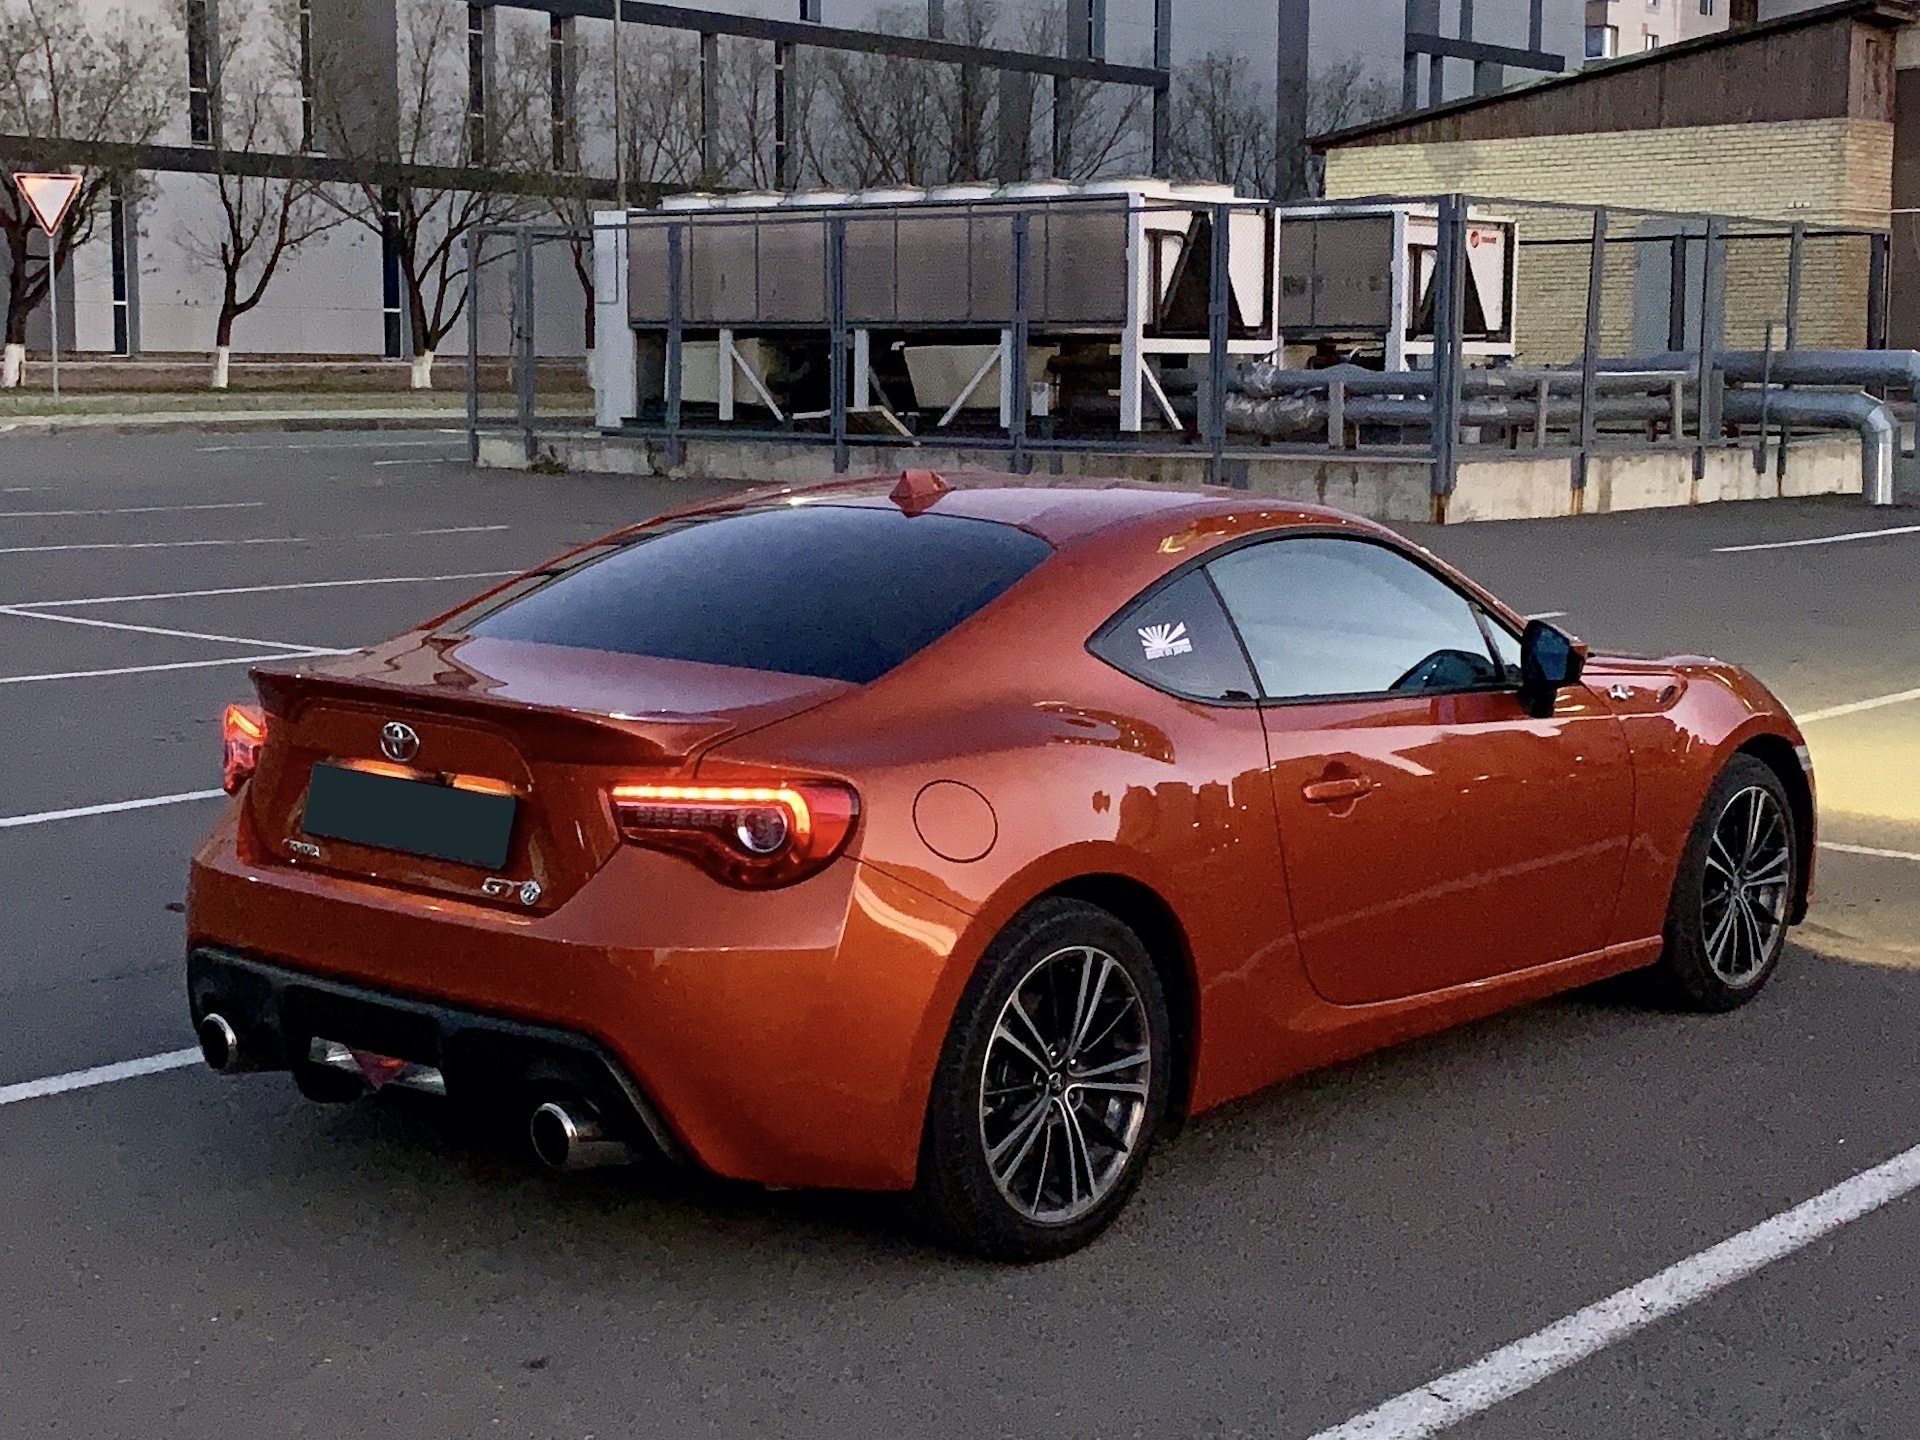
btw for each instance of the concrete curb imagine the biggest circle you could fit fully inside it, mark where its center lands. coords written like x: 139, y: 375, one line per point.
x: 221, y: 422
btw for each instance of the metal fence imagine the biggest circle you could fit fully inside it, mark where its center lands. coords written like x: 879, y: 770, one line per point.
x: 1622, y: 323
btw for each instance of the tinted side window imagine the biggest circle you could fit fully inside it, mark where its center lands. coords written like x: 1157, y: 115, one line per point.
x: 843, y: 592
x: 1326, y: 617
x: 1178, y: 639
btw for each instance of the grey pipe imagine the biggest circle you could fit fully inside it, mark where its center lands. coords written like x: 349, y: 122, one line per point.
x: 1899, y: 368
x: 1874, y: 419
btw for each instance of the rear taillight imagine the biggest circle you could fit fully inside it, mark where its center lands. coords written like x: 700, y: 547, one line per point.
x: 244, y: 733
x: 753, y: 836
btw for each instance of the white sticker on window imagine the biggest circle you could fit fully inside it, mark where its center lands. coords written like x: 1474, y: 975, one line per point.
x: 1162, y: 642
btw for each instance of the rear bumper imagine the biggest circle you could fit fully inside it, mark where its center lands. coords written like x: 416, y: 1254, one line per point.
x: 277, y: 1013
x: 787, y: 1037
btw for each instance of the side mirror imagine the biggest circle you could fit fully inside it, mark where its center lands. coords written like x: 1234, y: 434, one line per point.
x: 1550, y: 661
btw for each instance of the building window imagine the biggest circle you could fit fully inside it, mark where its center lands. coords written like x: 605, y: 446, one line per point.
x: 201, y: 71
x: 477, y: 18
x: 1653, y: 41
x: 122, y: 286
x: 1603, y: 42
x: 1706, y: 7
x: 305, y: 38
x: 560, y: 89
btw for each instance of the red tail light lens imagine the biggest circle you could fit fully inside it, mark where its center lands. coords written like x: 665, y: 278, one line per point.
x: 244, y: 733
x: 754, y: 836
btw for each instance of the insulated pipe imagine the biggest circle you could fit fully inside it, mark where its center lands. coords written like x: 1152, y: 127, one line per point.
x: 1287, y: 414
x: 1899, y: 368
x: 1874, y: 419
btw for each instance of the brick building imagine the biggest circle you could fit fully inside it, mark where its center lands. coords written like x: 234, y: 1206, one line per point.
x: 1811, y: 117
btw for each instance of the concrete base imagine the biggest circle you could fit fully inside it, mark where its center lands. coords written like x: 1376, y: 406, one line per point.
x: 1502, y: 486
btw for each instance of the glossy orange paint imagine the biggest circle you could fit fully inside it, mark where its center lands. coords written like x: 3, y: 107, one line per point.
x: 1320, y: 879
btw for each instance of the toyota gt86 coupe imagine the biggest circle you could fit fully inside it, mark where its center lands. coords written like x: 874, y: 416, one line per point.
x: 961, y: 835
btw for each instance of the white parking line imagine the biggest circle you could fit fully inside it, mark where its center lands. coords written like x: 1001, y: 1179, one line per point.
x: 20, y: 612
x: 99, y: 1075
x: 1847, y: 538
x: 1507, y: 1372
x: 47, y: 817
x: 253, y: 540
x: 1858, y: 707
x: 265, y: 589
x: 132, y: 510
x: 428, y: 460
x: 157, y: 669
x: 1871, y: 851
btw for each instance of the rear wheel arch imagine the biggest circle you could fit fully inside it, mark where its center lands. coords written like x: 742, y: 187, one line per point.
x: 1776, y: 752
x: 1142, y: 910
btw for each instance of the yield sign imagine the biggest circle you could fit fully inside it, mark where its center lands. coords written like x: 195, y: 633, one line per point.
x: 49, y: 196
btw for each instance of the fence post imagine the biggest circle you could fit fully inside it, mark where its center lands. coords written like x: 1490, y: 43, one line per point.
x: 1877, y: 257
x: 524, y: 349
x: 1448, y: 311
x: 676, y: 337
x: 1016, y: 361
x: 837, y: 323
x: 1796, y: 256
x: 473, y: 346
x: 1708, y: 424
x: 1590, y: 354
x: 1219, y: 315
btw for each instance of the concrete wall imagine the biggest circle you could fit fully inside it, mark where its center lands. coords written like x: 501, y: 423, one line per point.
x: 1501, y: 487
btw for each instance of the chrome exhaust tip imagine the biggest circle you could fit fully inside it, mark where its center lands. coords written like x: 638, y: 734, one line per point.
x: 567, y: 1136
x: 219, y: 1046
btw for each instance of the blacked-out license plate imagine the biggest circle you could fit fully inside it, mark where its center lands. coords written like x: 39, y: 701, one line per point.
x: 417, y: 817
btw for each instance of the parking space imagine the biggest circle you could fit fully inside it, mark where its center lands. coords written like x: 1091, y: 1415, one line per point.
x: 186, y: 1255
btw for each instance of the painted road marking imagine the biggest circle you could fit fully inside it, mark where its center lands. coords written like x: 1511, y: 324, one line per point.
x: 47, y: 817
x: 255, y: 540
x: 1850, y: 536
x: 1877, y: 854
x: 99, y: 1075
x: 1858, y: 707
x: 132, y: 510
x: 1446, y: 1402
x: 429, y: 460
x: 87, y: 620
x: 157, y: 669
x: 265, y: 589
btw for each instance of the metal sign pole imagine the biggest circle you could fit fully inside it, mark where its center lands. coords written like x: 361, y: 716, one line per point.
x: 53, y: 300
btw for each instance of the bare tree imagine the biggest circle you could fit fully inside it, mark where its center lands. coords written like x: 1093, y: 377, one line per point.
x: 427, y: 226
x: 255, y: 223
x: 1222, y: 128
x: 68, y: 76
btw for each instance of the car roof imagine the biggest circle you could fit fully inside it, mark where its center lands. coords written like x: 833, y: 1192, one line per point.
x: 1060, y: 509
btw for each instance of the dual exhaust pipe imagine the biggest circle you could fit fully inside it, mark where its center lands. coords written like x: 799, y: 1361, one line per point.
x: 566, y: 1134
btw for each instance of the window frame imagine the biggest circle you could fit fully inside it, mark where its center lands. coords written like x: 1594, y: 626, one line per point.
x: 1485, y: 608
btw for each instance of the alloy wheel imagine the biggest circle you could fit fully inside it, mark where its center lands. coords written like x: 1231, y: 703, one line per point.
x: 1064, y: 1090
x: 1748, y: 886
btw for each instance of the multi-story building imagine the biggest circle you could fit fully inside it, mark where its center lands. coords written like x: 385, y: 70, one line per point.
x: 147, y: 283
x: 1626, y: 27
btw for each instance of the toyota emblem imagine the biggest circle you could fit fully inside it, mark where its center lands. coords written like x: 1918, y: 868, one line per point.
x: 399, y: 743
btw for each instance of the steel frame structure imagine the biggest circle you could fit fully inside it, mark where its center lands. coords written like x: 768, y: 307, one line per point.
x: 1081, y: 63
x: 1425, y: 39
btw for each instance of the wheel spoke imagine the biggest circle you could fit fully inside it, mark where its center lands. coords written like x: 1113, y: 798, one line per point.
x: 1089, y: 1004
x: 1114, y: 1067
x: 1004, y: 1036
x: 1094, y: 1124
x: 1113, y: 1087
x: 1046, y: 1154
x: 1079, y: 1158
x: 1772, y: 871
x: 1718, y: 941
x: 1027, y: 1127
x: 1039, y: 1041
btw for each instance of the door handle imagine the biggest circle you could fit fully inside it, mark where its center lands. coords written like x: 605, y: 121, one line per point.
x: 1337, y: 792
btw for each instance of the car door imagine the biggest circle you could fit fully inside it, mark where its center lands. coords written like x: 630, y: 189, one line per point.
x: 1433, y: 833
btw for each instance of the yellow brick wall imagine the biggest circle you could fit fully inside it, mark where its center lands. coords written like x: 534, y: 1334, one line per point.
x: 1818, y: 171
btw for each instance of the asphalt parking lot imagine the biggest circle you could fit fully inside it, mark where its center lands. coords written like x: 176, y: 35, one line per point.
x: 186, y: 1255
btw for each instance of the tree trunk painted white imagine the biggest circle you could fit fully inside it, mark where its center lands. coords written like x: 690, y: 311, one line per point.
x: 221, y: 355
x: 423, y: 370
x: 13, y: 368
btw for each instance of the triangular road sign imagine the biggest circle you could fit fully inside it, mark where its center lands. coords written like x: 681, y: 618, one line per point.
x: 49, y: 196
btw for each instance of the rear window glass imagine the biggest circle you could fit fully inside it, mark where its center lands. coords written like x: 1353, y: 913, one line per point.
x: 836, y: 591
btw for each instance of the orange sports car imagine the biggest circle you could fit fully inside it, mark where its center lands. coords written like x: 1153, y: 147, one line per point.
x: 960, y: 835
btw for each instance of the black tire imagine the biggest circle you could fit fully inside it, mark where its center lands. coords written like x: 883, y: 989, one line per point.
x: 1722, y: 950
x: 1088, y: 1092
